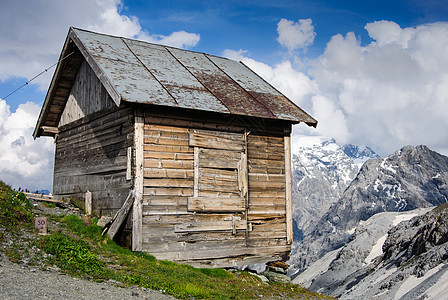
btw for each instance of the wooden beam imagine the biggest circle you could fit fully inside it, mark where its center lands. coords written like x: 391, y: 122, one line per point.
x: 49, y: 129
x: 120, y: 216
x: 129, y: 164
x: 137, y: 212
x: 209, y: 141
x: 289, y: 227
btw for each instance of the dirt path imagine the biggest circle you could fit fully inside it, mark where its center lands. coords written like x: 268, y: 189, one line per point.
x: 19, y: 281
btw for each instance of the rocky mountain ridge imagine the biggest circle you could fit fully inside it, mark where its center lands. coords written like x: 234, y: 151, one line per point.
x: 393, y: 255
x: 321, y: 171
x: 413, y: 177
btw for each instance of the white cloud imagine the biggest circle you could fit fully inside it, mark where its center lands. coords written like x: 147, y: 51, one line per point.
x: 24, y: 160
x: 387, y: 94
x: 179, y: 39
x: 295, y: 35
x: 33, y: 32
x: 292, y: 83
x: 31, y: 36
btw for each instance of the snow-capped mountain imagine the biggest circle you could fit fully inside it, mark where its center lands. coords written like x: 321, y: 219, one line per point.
x: 413, y: 177
x: 393, y: 255
x: 321, y: 171
x: 333, y: 273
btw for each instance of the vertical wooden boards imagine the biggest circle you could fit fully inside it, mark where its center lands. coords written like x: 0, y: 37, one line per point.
x: 267, y: 190
x: 137, y: 211
x: 87, y: 96
x: 289, y: 227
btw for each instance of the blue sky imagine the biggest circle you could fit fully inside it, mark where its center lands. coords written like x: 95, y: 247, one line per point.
x: 372, y: 72
x: 248, y: 25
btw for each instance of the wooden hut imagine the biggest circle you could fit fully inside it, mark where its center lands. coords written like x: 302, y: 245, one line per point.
x: 196, y: 147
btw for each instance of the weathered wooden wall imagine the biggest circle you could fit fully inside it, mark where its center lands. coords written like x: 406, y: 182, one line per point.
x: 92, y: 155
x: 87, y: 96
x: 194, y: 209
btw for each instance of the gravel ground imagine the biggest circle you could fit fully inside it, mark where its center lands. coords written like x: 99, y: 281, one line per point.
x: 19, y: 281
x: 28, y: 281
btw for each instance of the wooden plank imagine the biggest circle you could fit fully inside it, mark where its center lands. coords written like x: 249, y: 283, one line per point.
x: 168, y: 164
x: 167, y: 173
x: 223, y: 159
x: 168, y: 155
x: 216, y: 204
x: 226, y: 225
x: 218, y: 252
x: 137, y: 213
x: 164, y: 200
x: 188, y: 192
x: 289, y: 224
x: 166, y: 128
x: 129, y: 164
x: 243, y: 175
x: 215, y: 142
x: 165, y: 133
x: 196, y: 172
x: 45, y: 198
x: 168, y: 148
x: 120, y: 215
x: 165, y: 141
x: 169, y: 182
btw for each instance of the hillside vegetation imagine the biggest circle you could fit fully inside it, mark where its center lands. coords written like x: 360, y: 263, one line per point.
x: 82, y: 251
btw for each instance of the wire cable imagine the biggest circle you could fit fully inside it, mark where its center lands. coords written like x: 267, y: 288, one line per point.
x: 46, y: 70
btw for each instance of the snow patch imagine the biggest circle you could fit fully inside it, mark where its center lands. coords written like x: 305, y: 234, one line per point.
x: 412, y: 281
x: 351, y: 231
x: 376, y: 251
x: 400, y: 218
x: 439, y: 289
x: 319, y: 267
x: 388, y: 167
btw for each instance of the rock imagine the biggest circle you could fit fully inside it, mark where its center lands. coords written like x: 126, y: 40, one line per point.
x: 276, y: 277
x: 277, y: 270
x: 256, y: 268
x: 263, y: 278
x: 413, y: 177
x: 103, y: 221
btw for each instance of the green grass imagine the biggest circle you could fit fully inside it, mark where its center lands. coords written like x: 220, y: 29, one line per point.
x: 82, y: 250
x: 15, y: 209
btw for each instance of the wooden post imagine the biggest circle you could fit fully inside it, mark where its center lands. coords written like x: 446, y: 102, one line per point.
x: 245, y: 187
x: 129, y: 164
x: 88, y: 203
x: 196, y: 172
x: 137, y: 213
x: 289, y: 227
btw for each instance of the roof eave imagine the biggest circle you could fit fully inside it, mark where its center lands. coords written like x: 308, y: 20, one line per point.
x: 45, y: 107
x: 71, y: 37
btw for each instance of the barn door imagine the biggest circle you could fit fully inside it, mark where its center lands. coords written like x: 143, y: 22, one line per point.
x: 220, y: 179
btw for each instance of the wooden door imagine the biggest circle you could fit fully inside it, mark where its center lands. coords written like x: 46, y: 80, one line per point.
x: 220, y: 182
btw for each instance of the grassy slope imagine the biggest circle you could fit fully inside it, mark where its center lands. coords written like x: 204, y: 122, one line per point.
x: 82, y: 251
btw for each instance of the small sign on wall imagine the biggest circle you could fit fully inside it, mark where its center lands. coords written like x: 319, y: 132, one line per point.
x: 41, y: 224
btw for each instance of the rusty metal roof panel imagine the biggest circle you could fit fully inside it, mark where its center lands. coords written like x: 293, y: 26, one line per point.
x: 187, y: 91
x: 234, y: 97
x: 142, y: 72
x: 126, y: 73
x: 277, y: 103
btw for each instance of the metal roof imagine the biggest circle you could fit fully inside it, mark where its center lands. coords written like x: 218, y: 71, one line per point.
x: 141, y: 72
